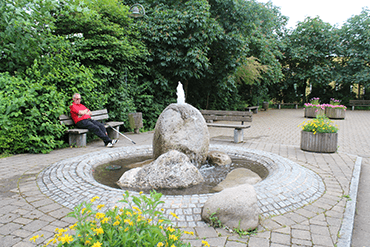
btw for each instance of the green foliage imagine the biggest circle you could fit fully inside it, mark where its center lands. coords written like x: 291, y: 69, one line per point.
x: 139, y: 223
x: 353, y: 64
x: 25, y: 32
x: 29, y: 112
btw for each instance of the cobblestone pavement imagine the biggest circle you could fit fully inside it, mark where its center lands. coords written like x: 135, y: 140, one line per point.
x: 27, y: 209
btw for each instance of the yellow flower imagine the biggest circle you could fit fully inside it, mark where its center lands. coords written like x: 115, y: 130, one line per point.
x: 126, y: 229
x: 34, y: 238
x: 160, y: 221
x: 170, y: 229
x: 174, y: 215
x: 190, y: 233
x: 105, y: 220
x: 99, y: 231
x: 173, y: 245
x: 128, y: 213
x: 140, y: 192
x: 100, y: 206
x: 116, y: 223
x: 72, y: 227
x: 87, y: 242
x: 137, y: 209
x: 99, y: 215
x: 97, y: 244
x: 160, y: 244
x: 66, y: 239
x: 128, y: 221
x: 94, y: 198
x: 205, y: 243
x: 161, y: 227
x: 174, y: 237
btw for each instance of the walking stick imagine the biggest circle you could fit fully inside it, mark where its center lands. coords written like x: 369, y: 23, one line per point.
x: 122, y: 134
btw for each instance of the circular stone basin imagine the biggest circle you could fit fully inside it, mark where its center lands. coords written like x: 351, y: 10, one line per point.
x: 212, y: 175
x: 288, y: 186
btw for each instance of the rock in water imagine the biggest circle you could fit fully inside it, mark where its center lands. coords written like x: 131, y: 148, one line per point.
x: 238, y: 177
x: 235, y: 207
x: 170, y: 170
x: 182, y: 127
x: 218, y: 158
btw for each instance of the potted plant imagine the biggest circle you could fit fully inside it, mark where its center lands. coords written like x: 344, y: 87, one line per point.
x: 335, y: 110
x: 313, y: 108
x: 319, y: 135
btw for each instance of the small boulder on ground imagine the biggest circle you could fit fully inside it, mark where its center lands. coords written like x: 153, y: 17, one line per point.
x: 235, y: 207
x: 218, y: 158
x: 170, y: 170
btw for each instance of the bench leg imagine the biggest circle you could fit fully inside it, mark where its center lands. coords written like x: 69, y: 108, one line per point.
x: 238, y: 135
x: 353, y: 107
x: 78, y: 140
x: 113, y: 134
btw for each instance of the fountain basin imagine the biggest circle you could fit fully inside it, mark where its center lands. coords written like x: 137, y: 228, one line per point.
x: 287, y: 187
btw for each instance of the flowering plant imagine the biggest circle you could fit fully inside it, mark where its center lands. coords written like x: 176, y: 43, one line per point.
x: 140, y: 224
x: 320, y: 124
x: 334, y: 106
x: 314, y: 103
x: 334, y: 101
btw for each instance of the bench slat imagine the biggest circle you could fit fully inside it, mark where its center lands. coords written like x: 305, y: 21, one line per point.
x: 234, y: 126
x: 227, y: 113
x: 228, y: 118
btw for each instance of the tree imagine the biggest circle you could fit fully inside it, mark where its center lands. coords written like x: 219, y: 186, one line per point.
x: 354, y: 55
x: 25, y: 32
x: 308, y: 59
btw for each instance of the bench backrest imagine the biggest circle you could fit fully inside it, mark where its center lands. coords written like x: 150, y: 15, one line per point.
x: 359, y: 102
x: 242, y: 116
x: 95, y: 115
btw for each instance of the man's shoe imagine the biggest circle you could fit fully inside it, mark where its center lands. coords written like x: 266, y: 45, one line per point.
x: 115, y: 142
x: 109, y: 145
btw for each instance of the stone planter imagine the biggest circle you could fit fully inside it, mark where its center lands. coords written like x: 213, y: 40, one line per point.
x: 265, y: 105
x: 320, y: 142
x: 312, y: 112
x: 335, y: 113
x: 136, y: 121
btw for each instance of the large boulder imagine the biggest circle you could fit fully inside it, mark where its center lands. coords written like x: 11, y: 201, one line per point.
x: 218, y: 158
x: 238, y: 177
x: 182, y: 127
x: 235, y: 207
x: 170, y: 170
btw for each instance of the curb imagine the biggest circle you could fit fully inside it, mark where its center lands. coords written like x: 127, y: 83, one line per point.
x: 346, y: 229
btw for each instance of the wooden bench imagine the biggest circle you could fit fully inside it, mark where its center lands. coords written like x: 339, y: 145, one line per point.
x: 242, y: 116
x: 282, y: 104
x: 252, y: 108
x: 78, y: 136
x: 354, y: 103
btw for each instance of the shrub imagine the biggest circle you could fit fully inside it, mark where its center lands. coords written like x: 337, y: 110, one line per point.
x: 138, y: 224
x: 29, y: 114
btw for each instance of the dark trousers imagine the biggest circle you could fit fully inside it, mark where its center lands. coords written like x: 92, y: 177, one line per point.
x: 95, y: 127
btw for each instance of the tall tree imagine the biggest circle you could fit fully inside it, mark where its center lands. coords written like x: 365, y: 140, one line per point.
x: 308, y: 58
x: 354, y: 54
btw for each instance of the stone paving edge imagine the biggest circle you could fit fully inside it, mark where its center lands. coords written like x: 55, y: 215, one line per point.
x: 346, y: 230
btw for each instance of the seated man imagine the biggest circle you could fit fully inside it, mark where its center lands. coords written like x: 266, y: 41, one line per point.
x: 82, y: 118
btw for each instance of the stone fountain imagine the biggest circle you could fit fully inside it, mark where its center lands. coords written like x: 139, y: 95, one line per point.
x: 180, y: 147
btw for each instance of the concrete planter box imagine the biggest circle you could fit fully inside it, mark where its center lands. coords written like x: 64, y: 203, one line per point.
x: 335, y: 113
x: 320, y: 142
x: 312, y: 112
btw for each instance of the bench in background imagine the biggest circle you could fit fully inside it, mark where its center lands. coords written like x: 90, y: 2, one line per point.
x: 252, y: 108
x: 78, y: 136
x: 235, y: 116
x: 354, y: 103
x: 282, y: 104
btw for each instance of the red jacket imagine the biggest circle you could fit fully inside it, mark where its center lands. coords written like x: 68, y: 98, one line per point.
x: 75, y: 108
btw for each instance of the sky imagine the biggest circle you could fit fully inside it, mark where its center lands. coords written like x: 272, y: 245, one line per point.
x: 332, y: 11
